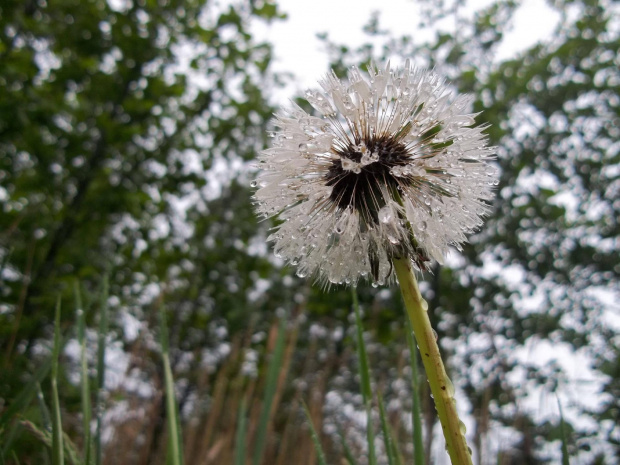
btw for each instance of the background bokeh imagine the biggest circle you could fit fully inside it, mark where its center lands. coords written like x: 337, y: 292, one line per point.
x: 128, y: 131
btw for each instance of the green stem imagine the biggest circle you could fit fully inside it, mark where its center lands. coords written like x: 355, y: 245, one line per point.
x: 441, y: 386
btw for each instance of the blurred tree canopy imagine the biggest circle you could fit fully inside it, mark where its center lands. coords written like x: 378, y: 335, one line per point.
x: 125, y: 131
x: 126, y: 128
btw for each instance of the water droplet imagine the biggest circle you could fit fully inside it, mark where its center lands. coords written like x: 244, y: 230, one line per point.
x: 392, y: 239
x: 254, y: 183
x: 423, y: 226
x: 396, y: 171
x: 424, y: 305
x: 301, y: 273
x: 450, y: 388
x: 375, y: 284
x: 434, y: 332
x: 385, y: 214
x: 463, y: 428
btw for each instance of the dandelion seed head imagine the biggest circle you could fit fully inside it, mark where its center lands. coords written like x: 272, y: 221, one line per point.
x: 392, y: 166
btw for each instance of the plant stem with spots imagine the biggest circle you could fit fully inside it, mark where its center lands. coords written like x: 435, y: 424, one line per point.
x: 441, y: 386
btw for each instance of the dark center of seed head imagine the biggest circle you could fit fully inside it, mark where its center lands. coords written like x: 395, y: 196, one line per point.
x: 362, y: 190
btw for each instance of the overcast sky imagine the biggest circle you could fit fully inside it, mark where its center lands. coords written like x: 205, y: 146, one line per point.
x: 298, y: 50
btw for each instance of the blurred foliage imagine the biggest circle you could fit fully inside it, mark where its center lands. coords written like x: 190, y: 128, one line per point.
x: 545, y: 266
x: 126, y: 134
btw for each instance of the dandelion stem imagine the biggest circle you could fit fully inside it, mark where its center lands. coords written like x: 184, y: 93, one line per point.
x: 441, y: 386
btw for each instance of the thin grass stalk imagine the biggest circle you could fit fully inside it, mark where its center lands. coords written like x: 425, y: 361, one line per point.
x: 416, y: 411
x: 57, y: 436
x: 270, y: 390
x: 345, y: 447
x: 84, y: 379
x: 240, y: 437
x: 565, y: 456
x: 175, y: 449
x: 365, y: 379
x: 19, y: 404
x: 441, y: 386
x: 390, y: 446
x: 8, y: 438
x: 46, y: 418
x: 101, y: 346
x: 315, y: 437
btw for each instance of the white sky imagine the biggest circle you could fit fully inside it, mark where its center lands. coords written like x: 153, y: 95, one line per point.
x: 298, y: 50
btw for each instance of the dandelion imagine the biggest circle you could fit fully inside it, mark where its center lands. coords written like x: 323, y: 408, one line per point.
x: 391, y: 173
x: 393, y: 167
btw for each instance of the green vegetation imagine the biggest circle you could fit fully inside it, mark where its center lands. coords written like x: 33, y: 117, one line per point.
x: 127, y: 131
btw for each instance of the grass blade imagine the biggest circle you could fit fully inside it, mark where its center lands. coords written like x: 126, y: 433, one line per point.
x: 175, y: 450
x: 46, y: 418
x: 101, y: 345
x: 240, y: 438
x: 315, y: 438
x: 57, y: 439
x: 390, y: 445
x: 365, y: 380
x: 25, y: 396
x: 565, y: 456
x: 18, y: 405
x: 270, y: 389
x: 416, y: 415
x: 347, y: 450
x: 84, y: 379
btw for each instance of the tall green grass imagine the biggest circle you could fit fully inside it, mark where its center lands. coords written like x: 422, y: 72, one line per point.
x: 58, y: 457
x: 175, y: 444
x: 101, y: 349
x: 392, y: 452
x: 416, y: 415
x: 365, y: 379
x: 84, y: 378
x: 270, y: 389
x: 315, y: 438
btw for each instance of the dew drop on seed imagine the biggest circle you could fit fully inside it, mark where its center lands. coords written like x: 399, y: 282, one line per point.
x: 254, y: 183
x: 385, y: 214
